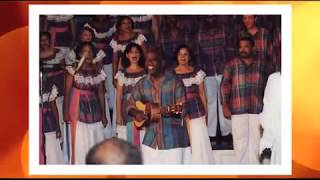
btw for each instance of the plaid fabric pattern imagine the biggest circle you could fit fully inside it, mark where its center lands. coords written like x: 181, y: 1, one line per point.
x: 263, y: 48
x: 277, y: 50
x: 193, y: 106
x: 89, y: 107
x: 170, y: 132
x: 169, y: 45
x: 212, y: 50
x: 56, y: 78
x: 242, y: 86
x: 126, y: 93
x: 49, y: 123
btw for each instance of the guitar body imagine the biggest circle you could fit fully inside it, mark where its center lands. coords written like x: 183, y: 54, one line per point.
x: 142, y: 107
x: 154, y: 112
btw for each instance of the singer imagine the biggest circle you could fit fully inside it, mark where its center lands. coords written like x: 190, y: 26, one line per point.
x: 84, y: 104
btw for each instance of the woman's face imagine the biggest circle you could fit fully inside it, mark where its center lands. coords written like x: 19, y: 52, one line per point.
x: 87, y: 53
x: 86, y: 36
x: 133, y: 55
x: 183, y: 56
x: 126, y: 25
x: 44, y: 42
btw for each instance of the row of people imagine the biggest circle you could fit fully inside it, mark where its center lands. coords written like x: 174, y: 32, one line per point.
x: 186, y: 137
x: 212, y: 39
x: 211, y: 64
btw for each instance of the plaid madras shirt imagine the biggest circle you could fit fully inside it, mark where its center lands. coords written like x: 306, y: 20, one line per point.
x: 212, y: 48
x: 242, y: 86
x: 193, y: 106
x: 263, y: 47
x: 170, y: 132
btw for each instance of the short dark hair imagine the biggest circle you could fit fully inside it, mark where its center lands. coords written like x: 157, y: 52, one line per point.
x: 120, y: 19
x: 131, y: 153
x: 45, y: 33
x: 83, y: 44
x: 158, y: 51
x: 126, y: 62
x: 191, y: 59
x: 247, y: 38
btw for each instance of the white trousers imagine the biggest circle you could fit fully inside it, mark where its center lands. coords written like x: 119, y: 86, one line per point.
x: 110, y: 97
x: 201, y: 150
x: 212, y: 86
x: 59, y: 102
x: 169, y: 156
x: 87, y: 135
x: 53, y: 149
x: 246, y: 138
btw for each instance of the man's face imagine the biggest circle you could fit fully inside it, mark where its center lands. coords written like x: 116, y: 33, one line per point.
x: 44, y: 42
x: 152, y: 63
x: 245, y: 49
x: 248, y: 21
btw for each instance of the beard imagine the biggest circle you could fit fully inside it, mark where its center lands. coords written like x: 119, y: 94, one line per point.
x: 244, y: 54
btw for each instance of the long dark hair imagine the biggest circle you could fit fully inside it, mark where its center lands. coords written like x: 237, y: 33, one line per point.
x: 126, y: 62
x: 47, y: 34
x: 120, y: 19
x: 191, y: 56
x: 89, y: 30
x: 83, y: 44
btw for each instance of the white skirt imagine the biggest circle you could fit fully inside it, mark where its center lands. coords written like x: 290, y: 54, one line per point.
x: 166, y: 156
x: 87, y: 135
x: 53, y: 149
x: 201, y: 150
x: 122, y: 132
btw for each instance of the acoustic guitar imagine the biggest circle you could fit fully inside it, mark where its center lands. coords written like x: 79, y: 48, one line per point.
x: 154, y: 112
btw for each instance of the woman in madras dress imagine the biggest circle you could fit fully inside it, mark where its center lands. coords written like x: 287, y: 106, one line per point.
x: 86, y: 35
x: 124, y: 35
x: 50, y: 134
x: 132, y: 72
x: 84, y: 104
x: 52, y: 61
x: 196, y: 106
x: 104, y: 27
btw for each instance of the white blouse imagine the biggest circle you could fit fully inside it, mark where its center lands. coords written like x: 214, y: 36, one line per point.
x: 90, y: 80
x: 49, y: 96
x: 127, y: 81
x: 59, y: 18
x: 101, y: 35
x: 121, y: 47
x: 198, y: 79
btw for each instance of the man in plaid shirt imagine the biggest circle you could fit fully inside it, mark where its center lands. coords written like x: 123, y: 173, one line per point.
x: 263, y: 49
x: 242, y: 91
x: 165, y: 141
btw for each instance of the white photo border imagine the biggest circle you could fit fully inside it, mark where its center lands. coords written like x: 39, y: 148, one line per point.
x: 188, y: 9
